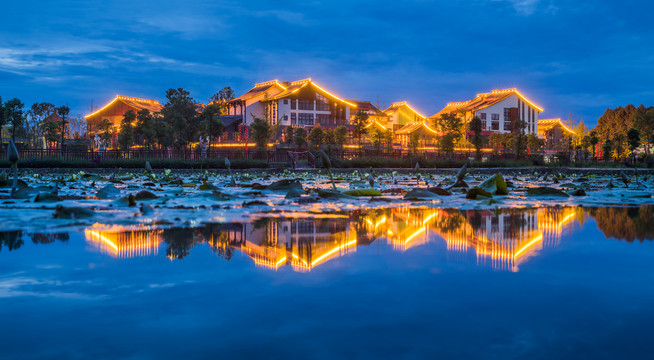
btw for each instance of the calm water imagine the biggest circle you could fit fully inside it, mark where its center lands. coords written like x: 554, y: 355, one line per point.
x: 401, y: 283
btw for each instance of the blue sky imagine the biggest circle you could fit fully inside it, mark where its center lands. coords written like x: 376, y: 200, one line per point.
x: 567, y: 56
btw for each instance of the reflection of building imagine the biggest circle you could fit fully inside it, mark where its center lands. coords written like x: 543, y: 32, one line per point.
x: 119, y: 243
x: 502, y: 240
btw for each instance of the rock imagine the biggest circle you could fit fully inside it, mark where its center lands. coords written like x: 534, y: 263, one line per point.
x: 107, y: 192
x: 145, y: 195
x: 47, y: 197
x: 578, y: 192
x: 439, y: 191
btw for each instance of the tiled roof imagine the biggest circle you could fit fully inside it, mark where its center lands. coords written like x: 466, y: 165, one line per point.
x: 297, y: 85
x: 259, y: 89
x: 135, y: 103
x: 548, y: 124
x: 482, y: 101
x: 414, y: 126
x: 367, y: 106
x: 396, y: 106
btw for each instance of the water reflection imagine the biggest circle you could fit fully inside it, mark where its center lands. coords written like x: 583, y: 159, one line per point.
x: 499, y: 239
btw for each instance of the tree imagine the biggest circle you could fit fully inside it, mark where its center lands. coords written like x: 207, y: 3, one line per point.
x: 316, y: 136
x: 260, y: 130
x: 377, y: 137
x: 619, y: 144
x: 210, y: 124
x: 360, y: 122
x: 388, y: 139
x: 2, y: 113
x: 534, y: 143
x: 35, y: 117
x: 593, y: 142
x: 340, y: 135
x: 579, y: 133
x: 180, y: 114
x: 633, y: 139
x: 289, y: 135
x: 618, y: 120
x: 414, y: 142
x: 146, y: 128
x: 446, y: 143
x: 477, y: 138
x: 519, y: 127
x: 644, y: 123
x: 300, y: 137
x: 63, y: 112
x: 221, y: 98
x: 329, y: 137
x: 106, y: 128
x: 495, y: 140
x: 454, y: 124
x: 13, y: 114
x: 607, y: 148
x: 51, y: 131
x: 126, y: 133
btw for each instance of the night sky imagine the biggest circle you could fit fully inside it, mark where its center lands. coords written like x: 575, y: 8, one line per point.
x: 567, y: 56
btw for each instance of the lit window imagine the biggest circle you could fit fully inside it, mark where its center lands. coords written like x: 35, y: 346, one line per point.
x: 482, y: 116
x: 495, y: 116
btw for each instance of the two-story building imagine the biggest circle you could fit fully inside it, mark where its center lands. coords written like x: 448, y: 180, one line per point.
x: 116, y: 109
x: 299, y: 103
x: 498, y: 111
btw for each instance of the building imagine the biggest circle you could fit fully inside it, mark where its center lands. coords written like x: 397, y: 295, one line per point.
x: 498, y: 110
x: 116, y: 109
x: 426, y: 136
x: 401, y: 114
x: 554, y: 132
x: 300, y: 103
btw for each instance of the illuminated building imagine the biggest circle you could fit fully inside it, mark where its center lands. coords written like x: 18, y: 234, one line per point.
x: 116, y: 109
x: 401, y: 114
x: 300, y: 103
x: 425, y: 134
x: 554, y: 132
x: 498, y: 110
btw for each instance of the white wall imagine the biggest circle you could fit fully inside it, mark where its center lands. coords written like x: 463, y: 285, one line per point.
x: 509, y: 102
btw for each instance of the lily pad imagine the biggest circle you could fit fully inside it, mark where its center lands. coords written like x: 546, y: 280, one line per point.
x: 420, y: 194
x: 145, y: 195
x: 495, y: 185
x: 546, y: 191
x: 284, y: 185
x: 362, y: 192
x: 73, y: 212
x: 47, y: 198
x: 475, y: 192
x: 107, y: 192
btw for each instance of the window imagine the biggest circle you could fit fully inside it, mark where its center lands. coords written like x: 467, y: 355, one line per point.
x: 507, y: 114
x: 285, y: 101
x: 322, y: 104
x: 293, y: 104
x: 293, y: 118
x: 495, y: 116
x: 305, y: 104
x: 322, y: 119
x: 495, y: 124
x: 305, y: 119
x: 285, y: 119
x: 482, y: 116
x: 483, y: 124
x: 507, y: 126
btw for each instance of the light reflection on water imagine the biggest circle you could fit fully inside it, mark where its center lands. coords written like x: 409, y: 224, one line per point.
x: 542, y: 283
x: 501, y: 240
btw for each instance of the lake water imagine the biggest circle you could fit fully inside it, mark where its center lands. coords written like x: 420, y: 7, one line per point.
x: 410, y: 283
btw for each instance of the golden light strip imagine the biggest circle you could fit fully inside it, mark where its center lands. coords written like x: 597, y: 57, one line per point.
x: 335, y: 249
x: 412, y: 236
x: 528, y: 245
x: 104, y: 239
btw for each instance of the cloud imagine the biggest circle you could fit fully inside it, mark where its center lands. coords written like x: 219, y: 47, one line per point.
x: 523, y: 7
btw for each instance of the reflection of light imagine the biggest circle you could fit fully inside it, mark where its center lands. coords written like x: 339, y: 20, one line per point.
x: 383, y: 220
x: 528, y: 245
x: 412, y: 236
x: 428, y: 218
x: 280, y: 261
x: 335, y: 249
x: 104, y: 239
